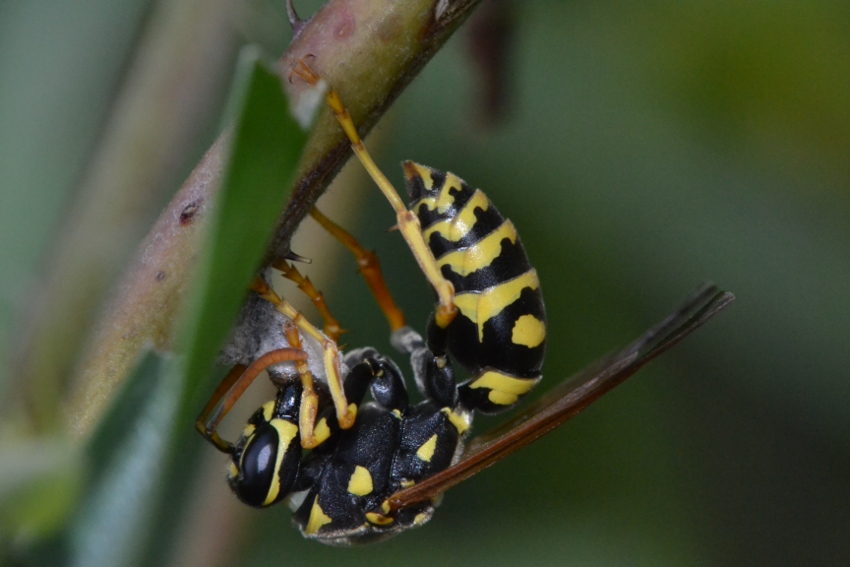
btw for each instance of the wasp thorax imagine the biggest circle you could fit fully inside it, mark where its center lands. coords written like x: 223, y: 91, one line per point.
x: 268, y: 455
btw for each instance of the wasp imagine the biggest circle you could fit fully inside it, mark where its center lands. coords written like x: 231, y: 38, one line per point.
x: 377, y: 468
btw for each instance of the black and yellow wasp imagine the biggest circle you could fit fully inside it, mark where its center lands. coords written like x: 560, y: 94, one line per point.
x: 376, y: 468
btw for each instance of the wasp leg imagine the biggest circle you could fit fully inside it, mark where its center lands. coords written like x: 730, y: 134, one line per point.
x: 408, y: 224
x: 431, y: 433
x: 434, y: 376
x: 331, y: 327
x: 313, y: 431
x: 369, y: 266
x: 218, y: 395
x: 351, y: 481
x: 346, y: 412
x: 232, y: 388
x: 383, y: 378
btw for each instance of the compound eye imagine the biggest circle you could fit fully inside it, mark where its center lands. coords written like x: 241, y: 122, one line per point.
x: 265, y: 471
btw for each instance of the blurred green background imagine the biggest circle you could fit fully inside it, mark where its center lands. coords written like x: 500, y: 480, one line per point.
x: 644, y: 148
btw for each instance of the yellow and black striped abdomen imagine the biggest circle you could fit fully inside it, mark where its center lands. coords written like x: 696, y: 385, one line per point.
x: 500, y: 331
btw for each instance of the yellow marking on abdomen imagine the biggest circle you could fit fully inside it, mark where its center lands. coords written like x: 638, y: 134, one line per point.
x: 286, y: 432
x: 318, y: 518
x: 455, y: 228
x: 481, y: 306
x: 445, y: 199
x: 528, y: 331
x: 424, y: 173
x: 504, y: 390
x: 360, y: 483
x: 426, y: 451
x: 481, y: 254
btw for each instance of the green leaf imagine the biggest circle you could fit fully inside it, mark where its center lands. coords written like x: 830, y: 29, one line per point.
x: 265, y: 150
x: 40, y: 483
x: 128, y: 451
x: 125, y: 411
x: 144, y: 453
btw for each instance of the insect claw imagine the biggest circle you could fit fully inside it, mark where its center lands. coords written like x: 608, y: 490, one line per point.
x: 304, y: 72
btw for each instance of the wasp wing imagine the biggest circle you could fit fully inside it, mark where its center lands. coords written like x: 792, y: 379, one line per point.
x: 570, y: 397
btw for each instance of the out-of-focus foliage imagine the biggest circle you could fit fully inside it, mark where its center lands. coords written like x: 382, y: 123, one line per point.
x: 647, y: 147
x: 113, y: 499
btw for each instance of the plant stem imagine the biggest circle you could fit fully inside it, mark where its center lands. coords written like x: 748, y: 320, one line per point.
x: 369, y: 50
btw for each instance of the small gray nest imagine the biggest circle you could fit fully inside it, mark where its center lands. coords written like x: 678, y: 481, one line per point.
x: 259, y: 330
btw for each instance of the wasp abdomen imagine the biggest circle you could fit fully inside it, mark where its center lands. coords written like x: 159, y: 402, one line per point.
x: 500, y: 331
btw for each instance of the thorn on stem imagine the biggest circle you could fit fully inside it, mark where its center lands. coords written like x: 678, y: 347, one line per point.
x: 293, y: 257
x: 296, y: 22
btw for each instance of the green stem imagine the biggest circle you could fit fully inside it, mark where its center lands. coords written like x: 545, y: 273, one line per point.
x: 369, y: 50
